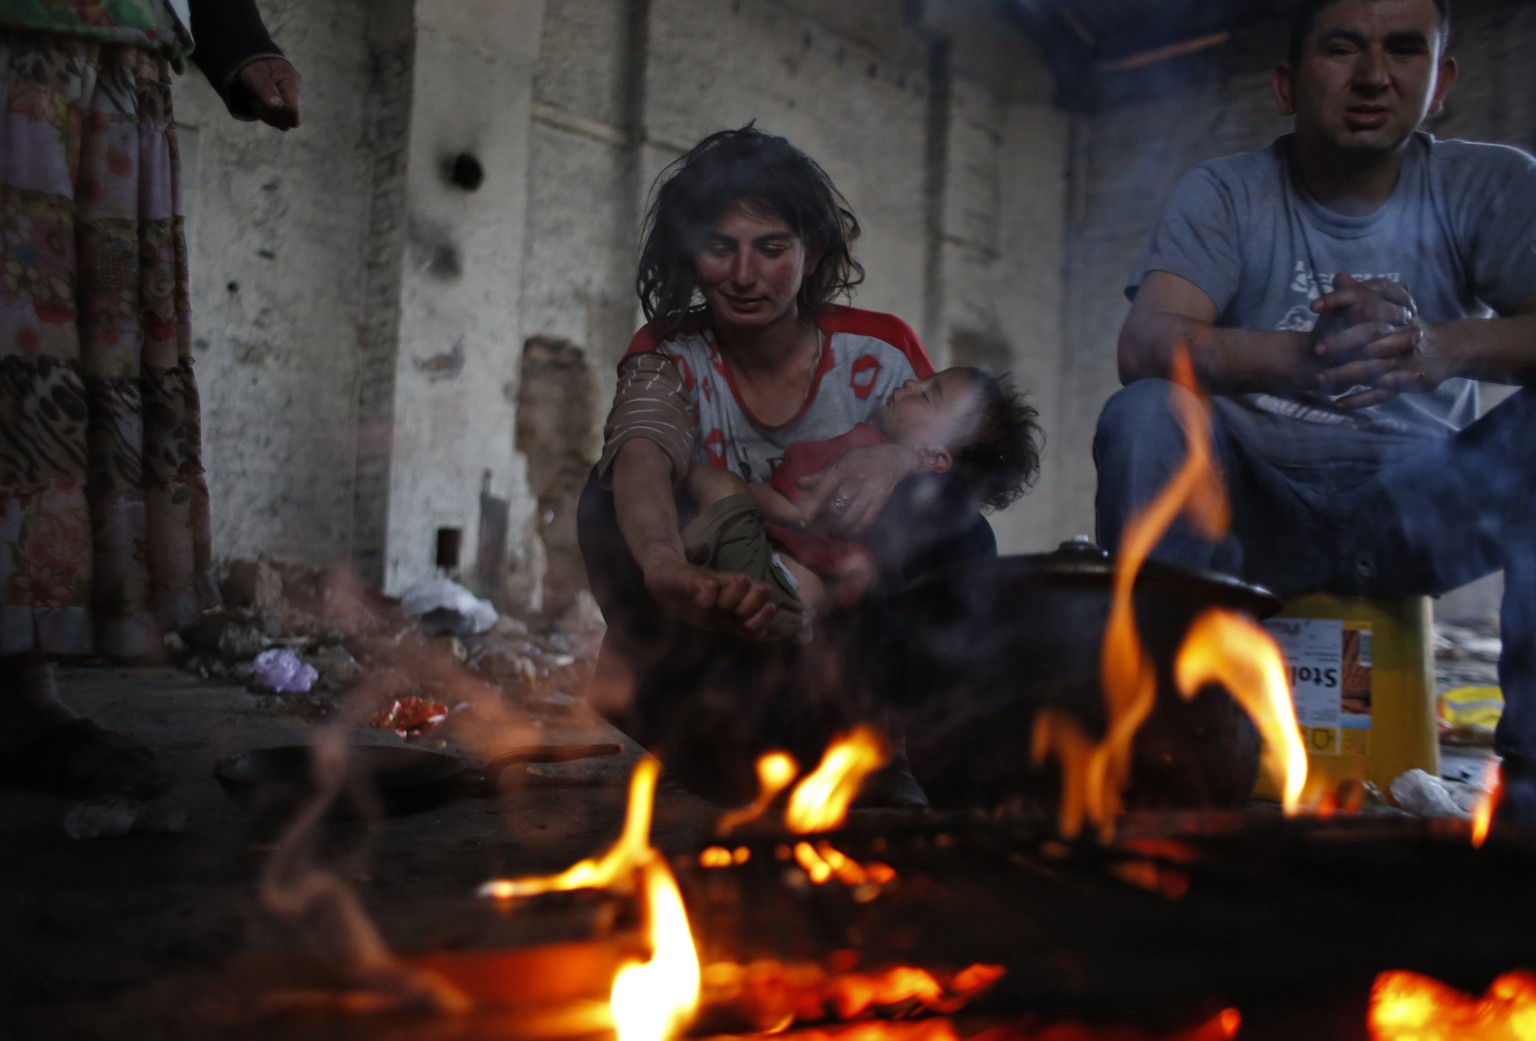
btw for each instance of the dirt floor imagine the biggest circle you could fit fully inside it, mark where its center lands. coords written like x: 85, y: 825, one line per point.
x: 145, y: 935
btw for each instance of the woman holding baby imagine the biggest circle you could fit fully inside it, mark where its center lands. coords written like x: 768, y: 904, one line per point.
x: 744, y: 355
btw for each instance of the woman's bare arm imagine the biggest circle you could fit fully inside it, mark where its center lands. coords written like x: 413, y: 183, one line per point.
x: 647, y: 516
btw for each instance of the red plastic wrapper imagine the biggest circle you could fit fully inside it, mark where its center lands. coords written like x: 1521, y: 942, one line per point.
x: 411, y: 716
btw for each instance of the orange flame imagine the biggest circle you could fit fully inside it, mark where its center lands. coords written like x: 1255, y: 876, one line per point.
x: 1225, y: 648
x: 1408, y: 1007
x: 1095, y: 774
x: 615, y: 868
x: 655, y: 1000
x: 774, y: 773
x: 715, y: 857
x: 777, y: 995
x: 820, y: 802
x: 1482, y: 815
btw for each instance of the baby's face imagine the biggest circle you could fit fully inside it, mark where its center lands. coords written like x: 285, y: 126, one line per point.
x: 935, y: 413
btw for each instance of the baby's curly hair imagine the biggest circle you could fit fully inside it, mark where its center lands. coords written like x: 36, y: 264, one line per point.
x: 1001, y: 458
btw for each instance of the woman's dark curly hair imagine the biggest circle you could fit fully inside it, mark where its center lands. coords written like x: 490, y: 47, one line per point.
x: 768, y: 175
x: 1001, y: 458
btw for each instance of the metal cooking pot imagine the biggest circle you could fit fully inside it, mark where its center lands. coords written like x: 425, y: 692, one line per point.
x: 992, y: 641
x: 278, y: 781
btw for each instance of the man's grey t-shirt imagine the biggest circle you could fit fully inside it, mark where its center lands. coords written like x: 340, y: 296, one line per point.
x: 1459, y: 231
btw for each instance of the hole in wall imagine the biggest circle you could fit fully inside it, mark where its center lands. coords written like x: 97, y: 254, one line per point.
x: 466, y: 171
x: 450, y: 542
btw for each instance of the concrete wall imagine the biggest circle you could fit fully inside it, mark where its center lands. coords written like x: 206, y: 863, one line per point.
x: 277, y: 226
x: 936, y: 126
x: 1153, y: 124
x: 361, y: 318
x: 460, y: 334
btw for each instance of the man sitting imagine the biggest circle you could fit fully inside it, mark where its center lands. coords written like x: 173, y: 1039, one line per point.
x: 1339, y: 292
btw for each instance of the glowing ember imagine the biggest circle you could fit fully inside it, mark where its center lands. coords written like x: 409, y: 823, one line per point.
x: 655, y: 1000
x: 1482, y: 816
x: 816, y: 867
x: 853, y: 994
x: 1169, y: 883
x: 1225, y: 648
x: 1094, y: 774
x: 776, y: 995
x: 824, y: 862
x: 1221, y: 1027
x: 715, y: 857
x: 820, y: 802
x: 615, y: 869
x: 1408, y: 1007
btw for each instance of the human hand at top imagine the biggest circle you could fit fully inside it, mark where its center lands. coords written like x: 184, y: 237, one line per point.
x: 275, y: 90
x: 845, y: 498
x: 1369, y: 336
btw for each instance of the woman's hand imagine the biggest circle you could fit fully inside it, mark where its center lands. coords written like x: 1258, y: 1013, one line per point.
x: 647, y: 514
x: 845, y: 498
x: 710, y: 599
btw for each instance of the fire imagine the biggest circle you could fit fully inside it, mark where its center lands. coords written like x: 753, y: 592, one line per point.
x: 823, y: 862
x: 1222, y: 1026
x: 820, y: 802
x: 1408, y: 1007
x: 615, y: 868
x: 774, y: 996
x: 655, y: 1000
x: 775, y: 771
x: 1095, y: 773
x: 651, y: 1000
x: 1482, y: 816
x: 1225, y: 648
x: 1084, y: 768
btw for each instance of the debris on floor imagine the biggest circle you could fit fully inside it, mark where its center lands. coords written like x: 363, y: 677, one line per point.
x: 313, y: 638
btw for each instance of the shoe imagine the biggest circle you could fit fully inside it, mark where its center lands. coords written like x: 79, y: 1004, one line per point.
x: 79, y: 759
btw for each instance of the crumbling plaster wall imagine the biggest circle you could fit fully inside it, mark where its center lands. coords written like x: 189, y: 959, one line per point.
x: 1151, y: 125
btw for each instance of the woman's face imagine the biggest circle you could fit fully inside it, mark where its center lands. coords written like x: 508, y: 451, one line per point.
x: 750, y: 268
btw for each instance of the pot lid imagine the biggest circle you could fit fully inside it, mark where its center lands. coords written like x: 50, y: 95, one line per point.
x: 1081, y: 562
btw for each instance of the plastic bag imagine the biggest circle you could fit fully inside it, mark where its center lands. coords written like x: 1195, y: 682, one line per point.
x: 1425, y: 795
x: 449, y: 607
x: 282, y: 671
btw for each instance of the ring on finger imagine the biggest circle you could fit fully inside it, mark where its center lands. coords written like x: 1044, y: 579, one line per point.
x: 840, y: 502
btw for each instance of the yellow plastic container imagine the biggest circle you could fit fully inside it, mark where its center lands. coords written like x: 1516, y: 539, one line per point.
x: 1363, y: 684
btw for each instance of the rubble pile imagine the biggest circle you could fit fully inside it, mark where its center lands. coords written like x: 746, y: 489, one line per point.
x: 316, y: 638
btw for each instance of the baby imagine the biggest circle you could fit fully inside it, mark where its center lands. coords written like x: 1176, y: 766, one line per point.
x: 962, y: 422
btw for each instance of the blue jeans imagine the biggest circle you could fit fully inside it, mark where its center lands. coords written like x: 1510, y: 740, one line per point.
x: 1426, y: 520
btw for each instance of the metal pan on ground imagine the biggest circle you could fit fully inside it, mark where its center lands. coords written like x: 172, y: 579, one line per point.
x: 379, y: 780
